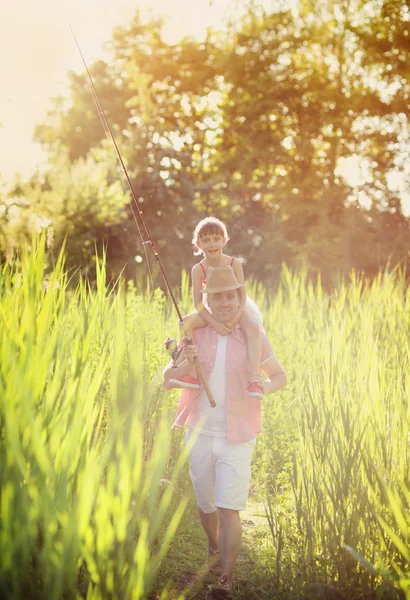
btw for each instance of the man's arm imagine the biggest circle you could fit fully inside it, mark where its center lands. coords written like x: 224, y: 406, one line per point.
x: 275, y: 373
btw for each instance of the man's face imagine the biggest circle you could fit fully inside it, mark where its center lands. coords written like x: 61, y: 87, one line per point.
x: 224, y: 305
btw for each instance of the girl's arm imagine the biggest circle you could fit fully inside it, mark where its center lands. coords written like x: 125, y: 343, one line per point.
x: 196, y: 276
x: 238, y: 270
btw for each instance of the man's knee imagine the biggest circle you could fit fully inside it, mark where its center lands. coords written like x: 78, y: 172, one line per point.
x: 227, y: 514
x: 188, y: 322
x: 207, y: 514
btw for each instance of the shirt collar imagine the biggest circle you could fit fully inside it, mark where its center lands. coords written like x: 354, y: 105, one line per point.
x: 237, y: 333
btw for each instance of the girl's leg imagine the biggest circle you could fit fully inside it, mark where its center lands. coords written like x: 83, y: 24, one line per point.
x: 252, y: 332
x: 190, y: 322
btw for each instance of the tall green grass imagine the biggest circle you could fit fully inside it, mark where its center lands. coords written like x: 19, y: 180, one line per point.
x: 87, y: 488
x: 91, y: 473
x: 347, y: 356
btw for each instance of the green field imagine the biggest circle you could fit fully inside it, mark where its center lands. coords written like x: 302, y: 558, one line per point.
x: 96, y: 501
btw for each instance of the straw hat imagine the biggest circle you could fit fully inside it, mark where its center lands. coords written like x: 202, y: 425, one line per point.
x: 220, y: 279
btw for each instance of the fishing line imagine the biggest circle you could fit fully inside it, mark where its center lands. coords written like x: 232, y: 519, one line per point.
x: 121, y: 171
x: 149, y: 240
x: 121, y: 166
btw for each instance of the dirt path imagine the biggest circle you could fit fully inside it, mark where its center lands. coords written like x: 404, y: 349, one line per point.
x: 185, y: 568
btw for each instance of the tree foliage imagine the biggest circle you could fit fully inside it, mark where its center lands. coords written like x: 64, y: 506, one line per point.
x: 257, y: 124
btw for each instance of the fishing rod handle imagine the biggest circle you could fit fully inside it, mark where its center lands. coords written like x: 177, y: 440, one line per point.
x: 202, y: 378
x: 204, y: 381
x: 172, y: 349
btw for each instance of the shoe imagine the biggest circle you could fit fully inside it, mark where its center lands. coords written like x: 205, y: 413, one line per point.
x: 214, y: 561
x: 254, y: 390
x: 185, y: 382
x: 222, y: 589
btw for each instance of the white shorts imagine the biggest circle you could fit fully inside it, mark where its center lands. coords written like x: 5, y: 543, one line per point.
x: 220, y: 472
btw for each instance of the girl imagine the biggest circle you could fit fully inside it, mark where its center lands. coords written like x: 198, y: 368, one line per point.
x: 210, y: 237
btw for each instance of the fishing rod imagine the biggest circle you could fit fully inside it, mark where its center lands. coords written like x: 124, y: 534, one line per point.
x: 169, y: 344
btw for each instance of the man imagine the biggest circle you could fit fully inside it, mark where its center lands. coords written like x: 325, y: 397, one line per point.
x: 220, y: 452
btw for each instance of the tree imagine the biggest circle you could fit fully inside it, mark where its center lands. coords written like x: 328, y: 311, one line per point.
x: 256, y: 126
x: 299, y: 99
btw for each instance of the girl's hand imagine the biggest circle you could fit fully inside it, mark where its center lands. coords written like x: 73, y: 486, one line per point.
x: 232, y: 324
x: 223, y: 328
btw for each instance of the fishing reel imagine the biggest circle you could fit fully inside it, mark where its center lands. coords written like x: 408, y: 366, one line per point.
x: 173, y: 350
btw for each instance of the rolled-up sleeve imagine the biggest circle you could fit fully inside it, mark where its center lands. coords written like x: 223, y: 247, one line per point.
x: 267, y: 350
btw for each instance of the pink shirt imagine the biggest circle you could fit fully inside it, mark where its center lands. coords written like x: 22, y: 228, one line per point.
x: 243, y: 412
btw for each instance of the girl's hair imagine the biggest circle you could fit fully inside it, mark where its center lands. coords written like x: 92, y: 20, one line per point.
x: 208, y: 226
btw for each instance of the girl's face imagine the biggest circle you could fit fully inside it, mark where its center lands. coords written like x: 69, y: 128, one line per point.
x: 211, y: 244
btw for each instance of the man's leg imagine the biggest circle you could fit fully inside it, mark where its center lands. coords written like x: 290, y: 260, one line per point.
x: 202, y: 471
x: 230, y: 536
x: 233, y: 472
x: 209, y: 522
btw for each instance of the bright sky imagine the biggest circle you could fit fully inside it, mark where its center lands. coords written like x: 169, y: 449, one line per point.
x: 37, y: 50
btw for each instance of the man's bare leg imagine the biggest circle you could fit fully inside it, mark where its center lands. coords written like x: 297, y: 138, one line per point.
x: 209, y: 522
x: 230, y: 536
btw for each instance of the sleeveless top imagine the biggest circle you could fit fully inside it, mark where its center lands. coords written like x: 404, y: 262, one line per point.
x: 203, y: 282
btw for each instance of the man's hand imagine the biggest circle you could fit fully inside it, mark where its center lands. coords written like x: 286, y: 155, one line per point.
x: 264, y: 384
x: 191, y: 352
x: 259, y: 380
